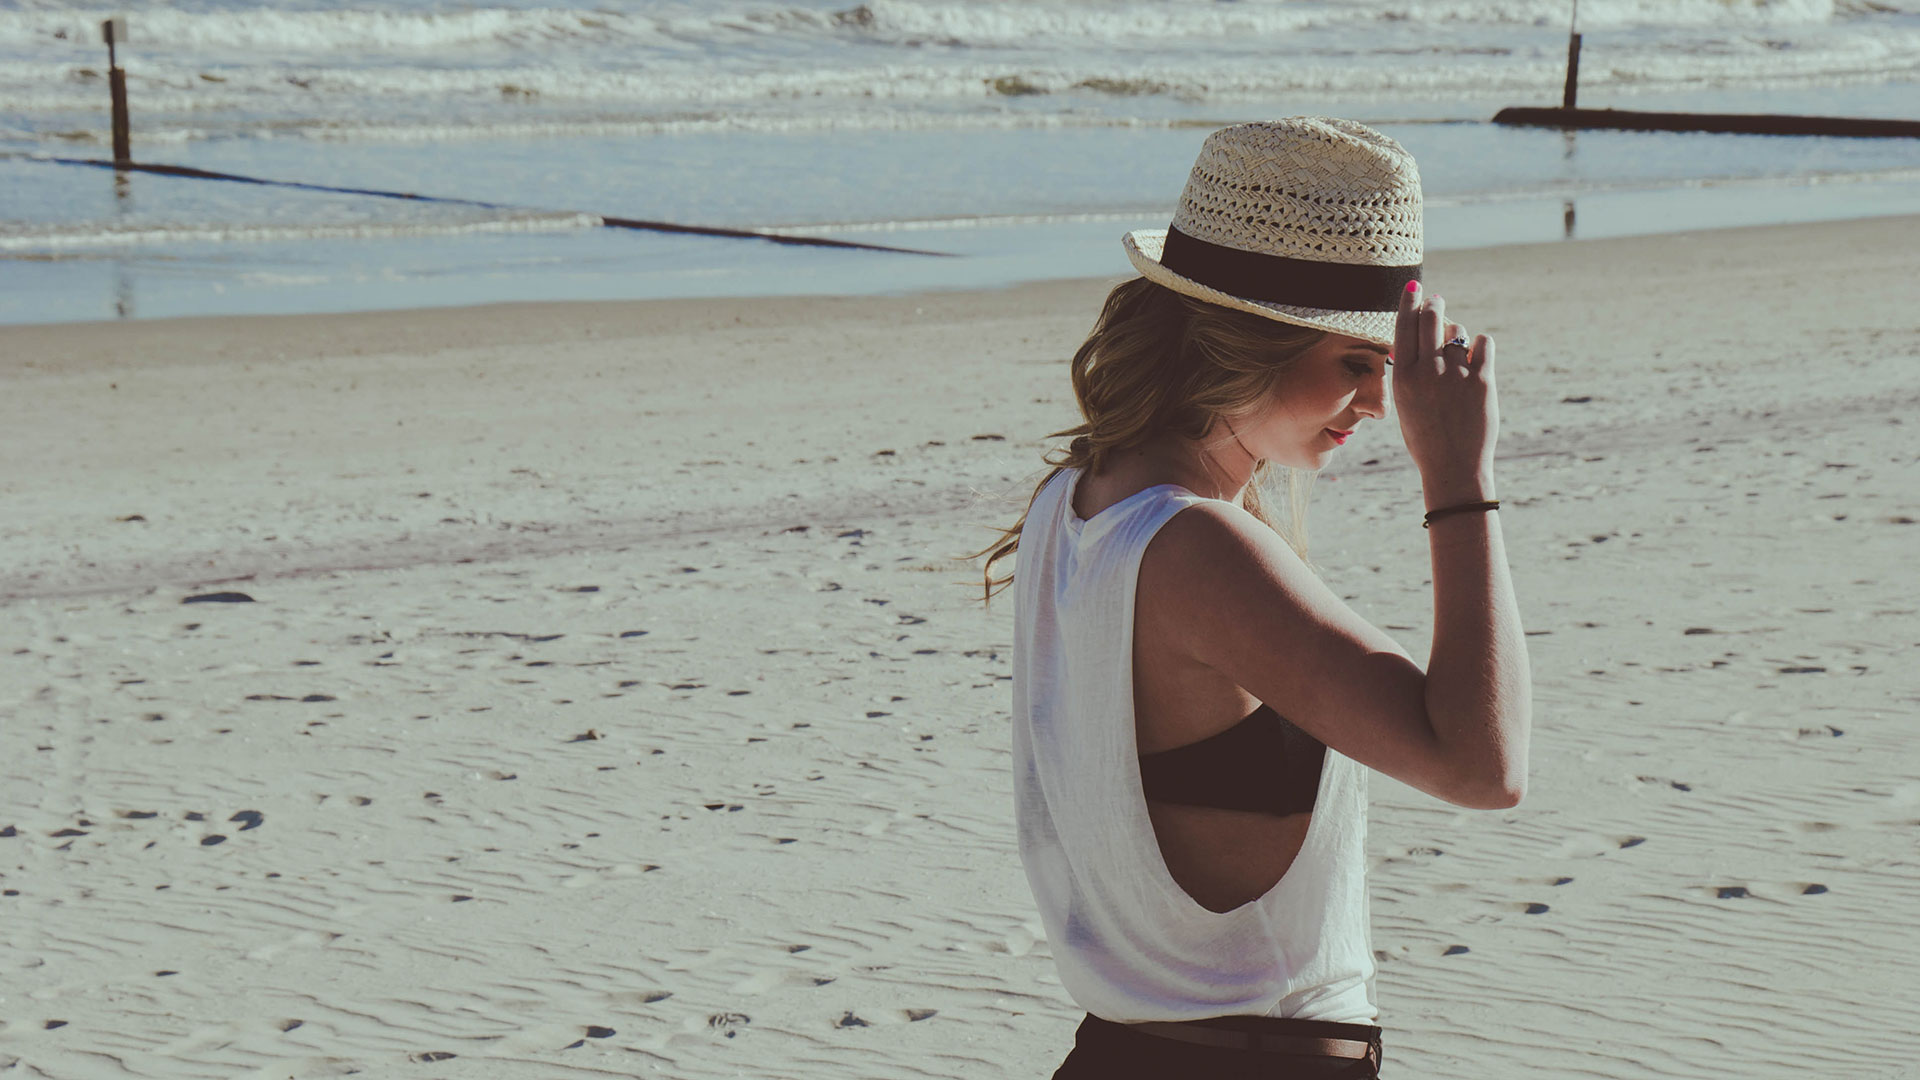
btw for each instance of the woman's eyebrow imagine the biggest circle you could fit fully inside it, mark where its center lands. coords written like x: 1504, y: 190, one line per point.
x: 1377, y: 350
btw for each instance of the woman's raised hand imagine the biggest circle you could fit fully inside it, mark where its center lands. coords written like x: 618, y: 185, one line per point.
x: 1449, y: 412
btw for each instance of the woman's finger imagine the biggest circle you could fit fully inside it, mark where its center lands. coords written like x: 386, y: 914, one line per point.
x: 1406, y: 329
x: 1483, y: 355
x: 1432, y: 317
x: 1455, y: 359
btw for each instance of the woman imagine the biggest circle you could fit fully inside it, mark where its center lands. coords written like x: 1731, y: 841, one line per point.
x: 1195, y: 712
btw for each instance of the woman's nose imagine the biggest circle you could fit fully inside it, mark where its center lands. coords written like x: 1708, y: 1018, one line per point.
x: 1372, y: 402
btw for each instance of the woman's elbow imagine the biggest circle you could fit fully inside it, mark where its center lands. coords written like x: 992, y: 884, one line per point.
x: 1507, y: 792
x: 1507, y: 796
x: 1494, y: 793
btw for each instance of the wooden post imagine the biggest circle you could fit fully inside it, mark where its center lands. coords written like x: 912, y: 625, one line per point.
x: 112, y: 30
x: 1573, y: 61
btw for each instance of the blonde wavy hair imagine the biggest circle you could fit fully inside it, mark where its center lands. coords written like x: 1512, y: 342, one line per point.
x: 1159, y: 362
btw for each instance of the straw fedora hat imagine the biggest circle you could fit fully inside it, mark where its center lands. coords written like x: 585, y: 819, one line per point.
x: 1309, y: 220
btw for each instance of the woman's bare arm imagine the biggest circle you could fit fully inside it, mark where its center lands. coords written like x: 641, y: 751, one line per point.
x: 1241, y: 602
x: 1479, y: 691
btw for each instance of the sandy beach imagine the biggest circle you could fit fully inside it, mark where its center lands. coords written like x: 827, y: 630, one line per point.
x: 586, y: 690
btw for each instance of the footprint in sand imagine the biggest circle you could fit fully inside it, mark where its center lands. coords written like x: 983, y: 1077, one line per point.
x: 303, y: 939
x: 1819, y: 826
x: 593, y: 1031
x: 620, y: 870
x: 1018, y: 942
x: 638, y: 997
x: 1675, y: 784
x: 219, y: 1035
x: 539, y: 1038
x: 761, y: 982
x: 882, y: 825
x: 883, y: 1018
x: 1589, y: 845
x: 1766, y: 890
x: 727, y: 1023
x: 313, y: 1066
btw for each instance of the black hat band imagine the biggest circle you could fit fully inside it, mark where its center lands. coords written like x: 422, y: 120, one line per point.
x: 1277, y: 279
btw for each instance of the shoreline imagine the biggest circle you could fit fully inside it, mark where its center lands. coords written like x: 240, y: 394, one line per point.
x: 378, y: 323
x: 608, y: 698
x: 338, y: 273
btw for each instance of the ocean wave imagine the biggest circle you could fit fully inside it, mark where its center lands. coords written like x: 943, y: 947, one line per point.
x: 918, y: 22
x: 225, y: 68
x: 297, y: 32
x: 405, y: 102
x: 320, y: 30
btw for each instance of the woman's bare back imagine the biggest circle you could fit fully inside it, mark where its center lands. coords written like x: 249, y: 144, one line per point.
x: 1221, y: 858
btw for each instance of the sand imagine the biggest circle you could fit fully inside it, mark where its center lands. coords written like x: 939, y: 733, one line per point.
x: 608, y: 702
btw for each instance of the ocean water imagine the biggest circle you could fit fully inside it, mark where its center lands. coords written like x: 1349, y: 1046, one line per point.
x: 1021, y: 137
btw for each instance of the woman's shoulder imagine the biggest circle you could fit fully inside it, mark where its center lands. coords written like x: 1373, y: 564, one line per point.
x: 1207, y: 547
x: 1203, y: 530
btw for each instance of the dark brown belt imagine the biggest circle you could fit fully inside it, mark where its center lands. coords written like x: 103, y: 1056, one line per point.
x: 1255, y: 1040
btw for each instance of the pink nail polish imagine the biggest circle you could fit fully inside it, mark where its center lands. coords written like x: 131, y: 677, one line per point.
x: 1413, y: 286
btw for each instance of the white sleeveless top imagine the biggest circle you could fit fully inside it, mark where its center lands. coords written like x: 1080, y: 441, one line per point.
x: 1130, y: 944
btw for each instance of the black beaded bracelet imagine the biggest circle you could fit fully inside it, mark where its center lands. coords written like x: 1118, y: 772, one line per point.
x: 1433, y: 515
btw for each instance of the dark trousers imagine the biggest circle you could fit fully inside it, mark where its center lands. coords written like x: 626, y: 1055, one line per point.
x: 1103, y: 1050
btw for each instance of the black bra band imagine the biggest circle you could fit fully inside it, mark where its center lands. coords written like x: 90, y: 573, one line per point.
x: 1280, y: 280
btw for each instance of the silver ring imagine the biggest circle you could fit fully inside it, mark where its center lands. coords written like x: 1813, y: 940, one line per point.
x: 1460, y: 341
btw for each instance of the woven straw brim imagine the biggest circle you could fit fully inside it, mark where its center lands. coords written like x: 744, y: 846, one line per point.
x: 1144, y: 247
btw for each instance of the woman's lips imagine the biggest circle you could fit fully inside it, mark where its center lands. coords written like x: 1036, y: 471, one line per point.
x: 1339, y: 436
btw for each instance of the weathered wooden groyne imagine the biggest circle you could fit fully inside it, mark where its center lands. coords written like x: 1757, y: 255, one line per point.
x: 1731, y: 123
